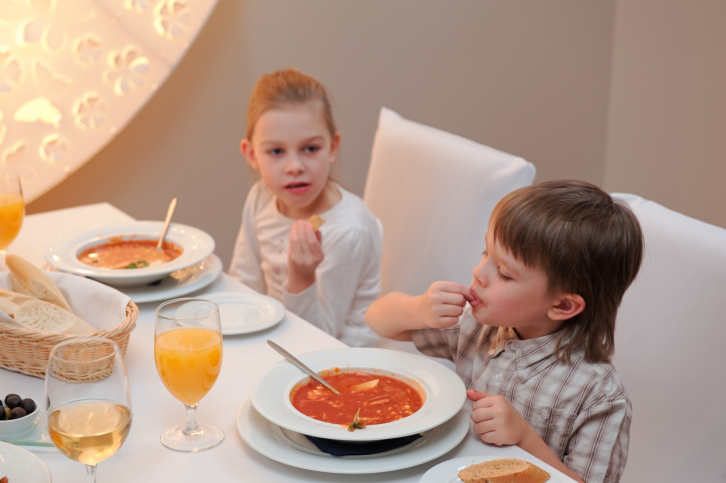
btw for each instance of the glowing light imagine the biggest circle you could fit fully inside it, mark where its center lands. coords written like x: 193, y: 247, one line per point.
x: 39, y: 109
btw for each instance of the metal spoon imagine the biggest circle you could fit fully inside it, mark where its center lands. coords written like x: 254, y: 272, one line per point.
x: 167, y: 221
x: 302, y: 366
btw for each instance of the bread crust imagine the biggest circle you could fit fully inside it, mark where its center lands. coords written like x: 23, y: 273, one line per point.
x: 504, y: 470
x: 28, y: 279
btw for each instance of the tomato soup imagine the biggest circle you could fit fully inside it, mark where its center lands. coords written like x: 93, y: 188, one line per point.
x: 120, y: 254
x: 380, y: 399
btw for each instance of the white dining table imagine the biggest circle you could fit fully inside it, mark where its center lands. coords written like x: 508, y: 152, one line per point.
x: 142, y: 458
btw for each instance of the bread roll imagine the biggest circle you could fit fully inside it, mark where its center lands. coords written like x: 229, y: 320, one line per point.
x: 47, y: 317
x: 28, y: 279
x: 8, y: 307
x: 504, y: 471
x: 14, y: 297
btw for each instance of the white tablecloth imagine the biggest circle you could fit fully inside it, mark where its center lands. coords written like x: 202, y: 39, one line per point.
x: 142, y: 458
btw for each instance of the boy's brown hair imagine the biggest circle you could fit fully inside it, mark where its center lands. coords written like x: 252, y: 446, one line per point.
x: 586, y: 242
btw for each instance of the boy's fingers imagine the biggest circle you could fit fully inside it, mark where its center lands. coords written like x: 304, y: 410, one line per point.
x: 475, y: 395
x: 457, y: 288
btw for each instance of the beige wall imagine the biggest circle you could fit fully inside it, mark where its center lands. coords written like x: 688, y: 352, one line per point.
x: 631, y: 98
x: 667, y: 123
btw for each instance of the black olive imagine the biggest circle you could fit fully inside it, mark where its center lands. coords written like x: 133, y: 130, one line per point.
x: 11, y: 394
x: 13, y: 401
x: 28, y: 405
x: 16, y: 413
x: 3, y: 416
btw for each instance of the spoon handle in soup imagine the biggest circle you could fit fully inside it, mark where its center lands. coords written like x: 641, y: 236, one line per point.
x: 301, y: 366
x: 169, y: 212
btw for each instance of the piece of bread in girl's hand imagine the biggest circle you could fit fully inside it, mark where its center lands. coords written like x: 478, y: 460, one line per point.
x: 504, y: 471
x: 28, y: 279
x: 47, y: 317
x: 316, y: 221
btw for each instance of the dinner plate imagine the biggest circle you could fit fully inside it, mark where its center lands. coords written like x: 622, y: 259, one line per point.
x: 63, y: 253
x: 20, y: 465
x: 274, y: 442
x: 179, y: 283
x: 446, y: 472
x: 243, y: 313
x: 445, y: 392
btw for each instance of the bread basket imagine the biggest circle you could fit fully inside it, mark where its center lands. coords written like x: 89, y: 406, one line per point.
x: 27, y: 351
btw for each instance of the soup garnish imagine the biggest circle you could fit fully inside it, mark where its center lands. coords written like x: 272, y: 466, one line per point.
x: 126, y: 254
x: 364, y: 399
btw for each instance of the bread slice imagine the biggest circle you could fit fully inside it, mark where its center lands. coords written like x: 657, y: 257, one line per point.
x: 8, y: 307
x: 28, y: 279
x: 316, y: 221
x: 15, y: 297
x: 504, y: 471
x: 47, y: 317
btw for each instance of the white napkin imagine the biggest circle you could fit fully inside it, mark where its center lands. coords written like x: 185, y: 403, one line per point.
x: 101, y: 306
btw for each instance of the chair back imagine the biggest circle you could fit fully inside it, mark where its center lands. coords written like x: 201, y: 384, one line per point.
x: 433, y: 192
x: 669, y: 349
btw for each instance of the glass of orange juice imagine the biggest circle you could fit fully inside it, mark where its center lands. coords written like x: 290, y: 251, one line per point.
x: 12, y: 211
x: 87, y: 400
x: 188, y: 355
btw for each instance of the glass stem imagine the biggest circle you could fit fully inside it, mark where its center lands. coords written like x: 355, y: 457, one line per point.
x: 192, y: 427
x: 91, y: 471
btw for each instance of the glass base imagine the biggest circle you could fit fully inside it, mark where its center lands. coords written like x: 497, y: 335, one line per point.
x: 204, y: 437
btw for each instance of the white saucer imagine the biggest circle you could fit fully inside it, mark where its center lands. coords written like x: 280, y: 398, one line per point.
x: 20, y: 465
x: 179, y: 283
x: 243, y: 313
x: 446, y: 472
x: 269, y: 440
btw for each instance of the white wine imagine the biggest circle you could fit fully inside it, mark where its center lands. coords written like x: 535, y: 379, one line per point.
x: 89, y: 431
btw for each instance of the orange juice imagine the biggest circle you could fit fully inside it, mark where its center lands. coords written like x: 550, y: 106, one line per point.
x: 188, y: 361
x: 11, y: 217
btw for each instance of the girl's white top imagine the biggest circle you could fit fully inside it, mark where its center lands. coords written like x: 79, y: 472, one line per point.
x: 348, y: 279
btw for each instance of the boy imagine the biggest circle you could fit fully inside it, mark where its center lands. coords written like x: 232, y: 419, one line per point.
x: 534, y: 347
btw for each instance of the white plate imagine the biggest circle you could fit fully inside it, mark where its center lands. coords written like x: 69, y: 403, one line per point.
x: 188, y: 280
x: 63, y: 254
x: 20, y: 465
x: 243, y: 313
x: 272, y: 441
x: 445, y: 392
x: 446, y: 472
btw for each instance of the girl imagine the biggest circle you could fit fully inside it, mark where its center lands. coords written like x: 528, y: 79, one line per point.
x: 329, y: 276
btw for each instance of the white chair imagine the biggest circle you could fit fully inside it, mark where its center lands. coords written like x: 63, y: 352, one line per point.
x: 670, y: 353
x: 433, y: 192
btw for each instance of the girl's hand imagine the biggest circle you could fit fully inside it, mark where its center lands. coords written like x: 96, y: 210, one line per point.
x: 303, y: 256
x: 496, y: 420
x: 443, y: 303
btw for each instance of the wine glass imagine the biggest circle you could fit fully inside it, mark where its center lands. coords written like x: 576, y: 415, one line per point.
x: 12, y: 210
x: 188, y: 354
x: 87, y: 400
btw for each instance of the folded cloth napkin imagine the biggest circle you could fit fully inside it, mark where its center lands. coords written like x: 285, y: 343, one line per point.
x: 346, y: 448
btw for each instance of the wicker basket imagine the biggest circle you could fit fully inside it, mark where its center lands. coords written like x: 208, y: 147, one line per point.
x: 27, y: 351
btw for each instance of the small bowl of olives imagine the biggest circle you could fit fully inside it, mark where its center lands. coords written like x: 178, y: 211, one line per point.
x: 17, y: 415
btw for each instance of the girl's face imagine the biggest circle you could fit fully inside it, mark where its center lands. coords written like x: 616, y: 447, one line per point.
x: 294, y: 150
x: 507, y: 293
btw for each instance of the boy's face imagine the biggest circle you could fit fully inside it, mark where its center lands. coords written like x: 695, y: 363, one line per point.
x: 507, y: 293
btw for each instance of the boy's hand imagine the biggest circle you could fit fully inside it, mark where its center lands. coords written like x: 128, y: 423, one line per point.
x: 303, y: 256
x: 443, y: 303
x: 496, y: 420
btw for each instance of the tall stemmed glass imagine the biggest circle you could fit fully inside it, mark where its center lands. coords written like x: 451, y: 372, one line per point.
x: 188, y: 354
x: 12, y: 211
x: 87, y: 400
